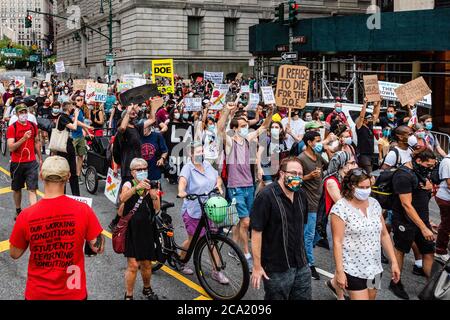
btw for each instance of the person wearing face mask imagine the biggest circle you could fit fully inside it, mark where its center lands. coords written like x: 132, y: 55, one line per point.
x: 210, y: 141
x: 110, y: 101
x: 24, y: 145
x: 34, y: 90
x: 307, y: 117
x: 278, y: 248
x: 430, y: 138
x: 337, y: 112
x: 154, y: 151
x: 271, y: 154
x: 98, y: 119
x: 141, y: 238
x: 401, y: 153
x: 295, y: 129
x: 196, y: 177
x: 384, y: 144
x: 240, y: 178
x: 364, y: 132
x: 359, y: 232
x: 313, y: 165
x: 344, y: 142
x: 64, y: 96
x: 411, y: 221
x: 114, y: 118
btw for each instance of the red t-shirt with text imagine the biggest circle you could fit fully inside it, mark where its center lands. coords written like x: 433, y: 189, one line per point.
x: 55, y: 230
x: 25, y: 153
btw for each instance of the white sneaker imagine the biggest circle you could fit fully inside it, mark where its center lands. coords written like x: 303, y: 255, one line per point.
x: 220, y: 277
x: 442, y: 257
x: 186, y: 270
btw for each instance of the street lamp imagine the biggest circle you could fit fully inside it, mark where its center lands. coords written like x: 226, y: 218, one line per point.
x: 110, y: 33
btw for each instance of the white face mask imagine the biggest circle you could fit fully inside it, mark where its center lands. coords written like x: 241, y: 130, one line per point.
x: 362, y: 194
x: 23, y: 117
x: 176, y: 116
x: 412, y: 141
x: 275, y: 133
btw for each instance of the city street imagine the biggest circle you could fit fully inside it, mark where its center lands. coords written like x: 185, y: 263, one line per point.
x: 105, y: 272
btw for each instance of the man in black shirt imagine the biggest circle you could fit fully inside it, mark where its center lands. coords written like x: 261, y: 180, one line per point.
x: 277, y: 219
x: 411, y: 221
x: 364, y: 131
x: 391, y: 119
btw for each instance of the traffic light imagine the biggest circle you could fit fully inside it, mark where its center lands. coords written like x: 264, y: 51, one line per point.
x: 293, y: 11
x: 28, y: 21
x: 279, y: 13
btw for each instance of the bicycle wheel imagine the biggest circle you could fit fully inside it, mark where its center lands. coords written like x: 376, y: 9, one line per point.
x: 165, y: 243
x: 232, y: 266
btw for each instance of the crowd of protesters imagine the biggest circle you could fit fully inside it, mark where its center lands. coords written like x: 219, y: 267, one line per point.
x: 277, y: 164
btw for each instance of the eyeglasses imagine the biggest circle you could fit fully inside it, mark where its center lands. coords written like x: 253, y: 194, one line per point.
x: 139, y: 169
x: 294, y: 173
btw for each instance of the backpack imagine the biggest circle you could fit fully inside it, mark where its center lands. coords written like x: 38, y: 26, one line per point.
x: 382, y: 190
x: 435, y: 177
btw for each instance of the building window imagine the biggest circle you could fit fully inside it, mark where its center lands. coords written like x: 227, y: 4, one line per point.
x: 230, y: 34
x: 386, y: 5
x: 194, y: 33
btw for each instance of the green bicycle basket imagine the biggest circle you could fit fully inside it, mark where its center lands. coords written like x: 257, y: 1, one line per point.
x: 216, y: 209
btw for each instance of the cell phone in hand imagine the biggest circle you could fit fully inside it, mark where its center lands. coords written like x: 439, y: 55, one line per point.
x: 154, y: 184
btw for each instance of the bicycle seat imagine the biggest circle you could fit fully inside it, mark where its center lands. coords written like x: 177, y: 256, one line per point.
x: 166, y: 205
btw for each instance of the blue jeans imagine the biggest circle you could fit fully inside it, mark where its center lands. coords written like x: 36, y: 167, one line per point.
x: 293, y: 284
x: 309, y: 233
x: 244, y: 200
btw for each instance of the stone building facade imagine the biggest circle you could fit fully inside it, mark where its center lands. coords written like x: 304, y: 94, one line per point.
x: 199, y: 35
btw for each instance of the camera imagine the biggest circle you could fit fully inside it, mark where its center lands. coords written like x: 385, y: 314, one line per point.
x: 154, y: 184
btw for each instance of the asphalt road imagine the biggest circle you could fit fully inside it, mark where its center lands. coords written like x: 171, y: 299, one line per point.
x: 105, y: 273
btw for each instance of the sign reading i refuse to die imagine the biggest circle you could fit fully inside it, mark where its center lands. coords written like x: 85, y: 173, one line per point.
x: 292, y: 86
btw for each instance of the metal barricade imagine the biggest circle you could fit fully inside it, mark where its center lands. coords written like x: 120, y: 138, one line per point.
x: 443, y: 139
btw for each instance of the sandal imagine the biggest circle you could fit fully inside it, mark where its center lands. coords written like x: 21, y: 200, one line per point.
x: 149, y: 294
x: 128, y: 297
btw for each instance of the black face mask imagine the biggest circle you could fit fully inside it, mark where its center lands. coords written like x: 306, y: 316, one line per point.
x: 421, y: 170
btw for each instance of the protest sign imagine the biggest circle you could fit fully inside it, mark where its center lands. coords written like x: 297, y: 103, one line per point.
x: 413, y: 91
x: 19, y: 82
x: 163, y: 75
x: 292, y: 86
x: 413, y: 119
x: 2, y: 88
x: 59, y: 67
x: 84, y: 200
x: 245, y: 89
x: 372, y: 88
x: 124, y: 86
x: 253, y: 101
x: 112, y: 186
x: 215, y: 77
x: 218, y: 96
x: 387, y: 93
x: 192, y: 104
x: 239, y: 76
x: 48, y: 77
x: 80, y: 84
x: 96, y: 92
x: 268, y: 96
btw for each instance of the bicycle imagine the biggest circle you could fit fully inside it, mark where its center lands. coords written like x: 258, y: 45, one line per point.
x: 214, y: 258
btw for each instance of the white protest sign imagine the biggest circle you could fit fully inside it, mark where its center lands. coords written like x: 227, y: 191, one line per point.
x: 215, y: 77
x: 245, y: 89
x: 413, y: 119
x: 19, y: 82
x: 59, y: 67
x: 48, y: 77
x: 218, y: 96
x: 2, y: 88
x: 268, y: 96
x: 387, y: 92
x: 253, y: 101
x: 112, y: 186
x: 193, y: 104
x: 84, y: 200
x: 136, y: 80
x: 96, y: 92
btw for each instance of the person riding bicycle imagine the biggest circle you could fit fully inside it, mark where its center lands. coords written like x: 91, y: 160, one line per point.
x: 198, y: 177
x: 140, y: 244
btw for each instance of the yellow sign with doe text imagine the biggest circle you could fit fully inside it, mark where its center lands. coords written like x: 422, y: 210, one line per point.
x: 163, y: 75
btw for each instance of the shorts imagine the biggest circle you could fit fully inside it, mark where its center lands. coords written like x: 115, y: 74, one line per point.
x: 358, y: 284
x: 191, y: 225
x: 80, y: 146
x: 405, y: 233
x: 244, y: 200
x: 25, y: 172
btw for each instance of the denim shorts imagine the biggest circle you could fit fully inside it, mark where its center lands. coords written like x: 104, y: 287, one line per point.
x: 244, y: 200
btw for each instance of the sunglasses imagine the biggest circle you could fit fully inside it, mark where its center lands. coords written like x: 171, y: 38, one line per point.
x: 359, y: 172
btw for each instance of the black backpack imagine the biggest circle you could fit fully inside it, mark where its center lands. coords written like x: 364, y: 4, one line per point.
x: 435, y: 176
x: 382, y: 190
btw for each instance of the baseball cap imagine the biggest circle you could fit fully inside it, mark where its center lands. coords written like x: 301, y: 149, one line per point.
x: 312, y: 125
x: 55, y: 169
x: 20, y: 106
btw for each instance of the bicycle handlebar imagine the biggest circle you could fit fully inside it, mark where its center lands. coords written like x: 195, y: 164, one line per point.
x: 196, y: 196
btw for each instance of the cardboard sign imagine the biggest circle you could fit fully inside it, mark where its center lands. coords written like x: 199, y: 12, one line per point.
x: 239, y: 76
x: 84, y: 200
x: 112, y: 186
x: 96, y: 92
x: 245, y: 89
x: 292, y: 86
x: 413, y: 91
x: 80, y: 84
x: 48, y: 77
x: 372, y: 88
x: 218, y: 96
x: 192, y: 104
x: 19, y: 82
x: 268, y: 96
x: 215, y: 77
x: 163, y: 75
x: 59, y: 67
x: 387, y: 92
x: 253, y: 101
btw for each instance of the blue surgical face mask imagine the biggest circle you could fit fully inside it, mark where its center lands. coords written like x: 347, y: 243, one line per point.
x: 421, y: 135
x: 243, y: 132
x: 141, y: 175
x: 348, y: 140
x: 318, y: 148
x: 338, y: 110
x: 55, y: 111
x: 185, y: 116
x: 429, y: 126
x: 390, y: 115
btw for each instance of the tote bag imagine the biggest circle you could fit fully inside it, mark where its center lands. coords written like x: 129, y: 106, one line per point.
x: 58, y: 140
